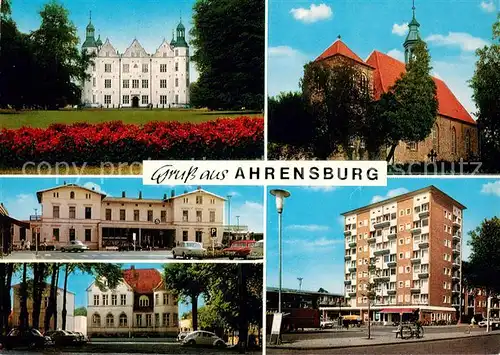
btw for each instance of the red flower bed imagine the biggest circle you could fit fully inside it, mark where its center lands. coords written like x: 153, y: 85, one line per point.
x: 116, y: 142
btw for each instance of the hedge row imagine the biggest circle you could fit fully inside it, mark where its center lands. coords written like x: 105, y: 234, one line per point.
x: 116, y: 142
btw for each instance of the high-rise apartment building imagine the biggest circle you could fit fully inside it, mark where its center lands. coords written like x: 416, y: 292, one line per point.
x: 415, y: 243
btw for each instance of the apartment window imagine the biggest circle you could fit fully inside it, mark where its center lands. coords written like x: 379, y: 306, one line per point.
x: 149, y: 321
x: 157, y: 319
x: 114, y: 300
x: 107, y: 99
x: 88, y: 235
x: 425, y: 222
x: 107, y: 68
x: 96, y: 300
x: 150, y: 215
x: 185, y: 216
x: 55, y: 234
x: 123, y: 320
x: 198, y: 216
x: 166, y: 319
x: 104, y: 300
x: 401, y: 213
x: 123, y: 300
x: 401, y: 241
x: 88, y: 212
x: 138, y: 320
x: 198, y: 235
x: 55, y: 211
x: 145, y: 68
x: 400, y: 284
x: 126, y: 99
x: 400, y: 269
x: 163, y: 68
x: 108, y: 214
x: 122, y: 215
x: 401, y: 255
x: 163, y: 216
x: 163, y: 83
x: 145, y: 84
x: 136, y: 215
x: 407, y: 283
x: 157, y: 299
x: 145, y: 99
x: 408, y: 211
x: 72, y: 212
x: 107, y: 83
x: 413, y: 146
x: 185, y: 236
x: 163, y: 100
x: 408, y: 240
x: 135, y: 83
x: 199, y: 200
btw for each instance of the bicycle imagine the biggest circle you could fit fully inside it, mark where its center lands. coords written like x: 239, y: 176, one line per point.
x: 411, y: 330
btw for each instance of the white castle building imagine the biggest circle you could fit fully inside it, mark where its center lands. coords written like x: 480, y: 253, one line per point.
x: 135, y: 78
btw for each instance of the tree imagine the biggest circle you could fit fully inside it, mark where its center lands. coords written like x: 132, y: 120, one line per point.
x: 484, y: 268
x: 23, y: 299
x: 188, y: 281
x: 80, y: 311
x: 486, y: 94
x: 38, y: 289
x: 408, y: 111
x: 6, y: 271
x: 228, y: 40
x: 372, y: 286
x: 337, y: 99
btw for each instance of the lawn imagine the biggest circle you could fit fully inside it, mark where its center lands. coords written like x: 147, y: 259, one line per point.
x: 43, y: 119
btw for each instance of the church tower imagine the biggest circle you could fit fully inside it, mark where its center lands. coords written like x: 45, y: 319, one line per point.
x: 90, y: 42
x: 413, y: 36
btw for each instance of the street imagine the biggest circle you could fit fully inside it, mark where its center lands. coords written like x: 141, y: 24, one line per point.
x: 94, y: 255
x: 466, y: 345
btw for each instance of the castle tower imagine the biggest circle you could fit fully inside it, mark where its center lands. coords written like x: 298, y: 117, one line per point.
x: 90, y: 42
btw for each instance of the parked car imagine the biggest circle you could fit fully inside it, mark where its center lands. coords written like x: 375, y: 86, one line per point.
x: 239, y: 249
x: 62, y: 337
x: 203, y: 338
x: 327, y: 324
x: 182, y: 335
x: 74, y: 245
x: 28, y: 339
x: 257, y: 251
x: 189, y: 250
x: 82, y: 338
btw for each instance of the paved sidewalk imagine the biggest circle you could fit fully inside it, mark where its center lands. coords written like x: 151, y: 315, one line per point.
x: 386, y: 339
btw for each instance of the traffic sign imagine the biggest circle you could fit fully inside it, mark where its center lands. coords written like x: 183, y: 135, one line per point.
x: 213, y: 232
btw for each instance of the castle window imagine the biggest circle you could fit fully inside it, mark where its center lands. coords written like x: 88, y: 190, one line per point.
x: 163, y: 83
x: 135, y: 84
x: 145, y: 99
x: 126, y: 68
x: 364, y: 82
x: 176, y: 82
x: 145, y: 68
x: 163, y: 67
x: 107, y: 67
x: 107, y: 83
x: 107, y: 99
x: 163, y: 100
x: 145, y: 83
x: 143, y: 301
x: 126, y: 83
x: 176, y: 66
x: 93, y: 82
x: 454, y: 140
x: 126, y: 99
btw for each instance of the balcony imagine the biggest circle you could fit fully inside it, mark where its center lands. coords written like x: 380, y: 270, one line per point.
x: 423, y: 214
x: 455, y: 304
x: 423, y: 244
x: 455, y: 291
x: 415, y: 261
x: 347, y: 282
x: 391, y: 292
x: 352, y: 293
x: 371, y: 240
x: 382, y: 224
x: 416, y: 230
x: 392, y: 263
x: 384, y: 278
x: 35, y: 218
x: 347, y: 258
x: 352, y: 269
x: 352, y: 244
x: 456, y: 250
x: 347, y: 233
x: 381, y: 252
x: 392, y: 236
x: 415, y: 289
x: 456, y: 237
x: 423, y: 275
x: 455, y: 278
x: 457, y: 223
x: 455, y: 264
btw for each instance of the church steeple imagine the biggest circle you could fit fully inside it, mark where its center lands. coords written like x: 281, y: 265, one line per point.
x: 90, y: 34
x: 413, y: 36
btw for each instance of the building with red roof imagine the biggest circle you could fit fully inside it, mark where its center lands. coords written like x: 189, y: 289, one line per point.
x: 139, y: 306
x: 454, y: 135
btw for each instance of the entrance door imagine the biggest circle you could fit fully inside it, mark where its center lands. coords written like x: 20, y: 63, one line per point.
x: 135, y: 101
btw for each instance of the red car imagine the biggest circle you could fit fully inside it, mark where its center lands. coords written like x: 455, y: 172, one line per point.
x: 239, y: 249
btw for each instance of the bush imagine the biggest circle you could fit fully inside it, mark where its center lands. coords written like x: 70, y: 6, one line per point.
x: 116, y: 142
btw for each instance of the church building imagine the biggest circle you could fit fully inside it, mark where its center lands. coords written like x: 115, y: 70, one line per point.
x: 136, y: 78
x: 455, y: 133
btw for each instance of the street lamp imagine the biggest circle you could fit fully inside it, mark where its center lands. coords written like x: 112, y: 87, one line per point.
x: 36, y: 232
x: 229, y: 210
x: 280, y: 199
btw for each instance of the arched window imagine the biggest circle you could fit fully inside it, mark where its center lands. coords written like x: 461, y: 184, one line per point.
x: 110, y: 320
x: 467, y: 142
x: 143, y: 301
x: 123, y: 320
x: 96, y: 320
x: 364, y: 82
x: 72, y: 195
x: 435, y: 138
x: 454, y: 140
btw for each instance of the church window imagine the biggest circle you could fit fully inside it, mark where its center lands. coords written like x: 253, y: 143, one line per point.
x: 135, y: 84
x: 143, y: 301
x: 145, y: 99
x: 467, y: 142
x: 145, y: 68
x: 107, y: 83
x: 176, y: 66
x: 126, y: 68
x: 126, y: 83
x: 163, y: 68
x: 107, y: 68
x: 163, y: 83
x: 145, y: 84
x: 454, y: 140
x: 126, y: 99
x: 163, y: 99
x: 107, y: 99
x: 364, y: 82
x: 413, y: 146
x: 435, y: 138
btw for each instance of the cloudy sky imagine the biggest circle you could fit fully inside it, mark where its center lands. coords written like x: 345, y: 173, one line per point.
x: 19, y: 195
x: 313, y: 240
x: 300, y: 30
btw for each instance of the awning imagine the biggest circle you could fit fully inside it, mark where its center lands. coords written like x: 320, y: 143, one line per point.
x: 397, y: 310
x: 351, y: 317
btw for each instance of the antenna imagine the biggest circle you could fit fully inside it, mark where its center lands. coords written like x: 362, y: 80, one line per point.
x: 300, y: 282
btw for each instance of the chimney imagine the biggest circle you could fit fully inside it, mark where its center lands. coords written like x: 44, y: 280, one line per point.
x: 64, y: 183
x: 186, y: 191
x: 140, y: 195
x: 164, y: 196
x: 172, y: 193
x: 123, y: 194
x: 132, y: 267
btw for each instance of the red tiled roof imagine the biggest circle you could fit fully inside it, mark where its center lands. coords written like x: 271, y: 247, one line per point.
x: 389, y: 69
x: 142, y: 280
x: 339, y: 48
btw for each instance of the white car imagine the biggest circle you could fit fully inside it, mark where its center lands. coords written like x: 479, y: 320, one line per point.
x: 203, y: 338
x: 74, y: 245
x: 257, y: 251
x: 493, y: 323
x: 182, y: 335
x: 189, y: 250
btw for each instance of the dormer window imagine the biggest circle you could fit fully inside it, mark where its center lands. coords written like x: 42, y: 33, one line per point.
x: 72, y: 195
x: 143, y: 301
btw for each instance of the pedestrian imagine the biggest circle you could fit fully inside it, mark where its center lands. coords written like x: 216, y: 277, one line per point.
x: 22, y: 244
x: 28, y: 245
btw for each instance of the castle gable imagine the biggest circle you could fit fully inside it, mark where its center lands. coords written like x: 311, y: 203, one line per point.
x: 135, y: 50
